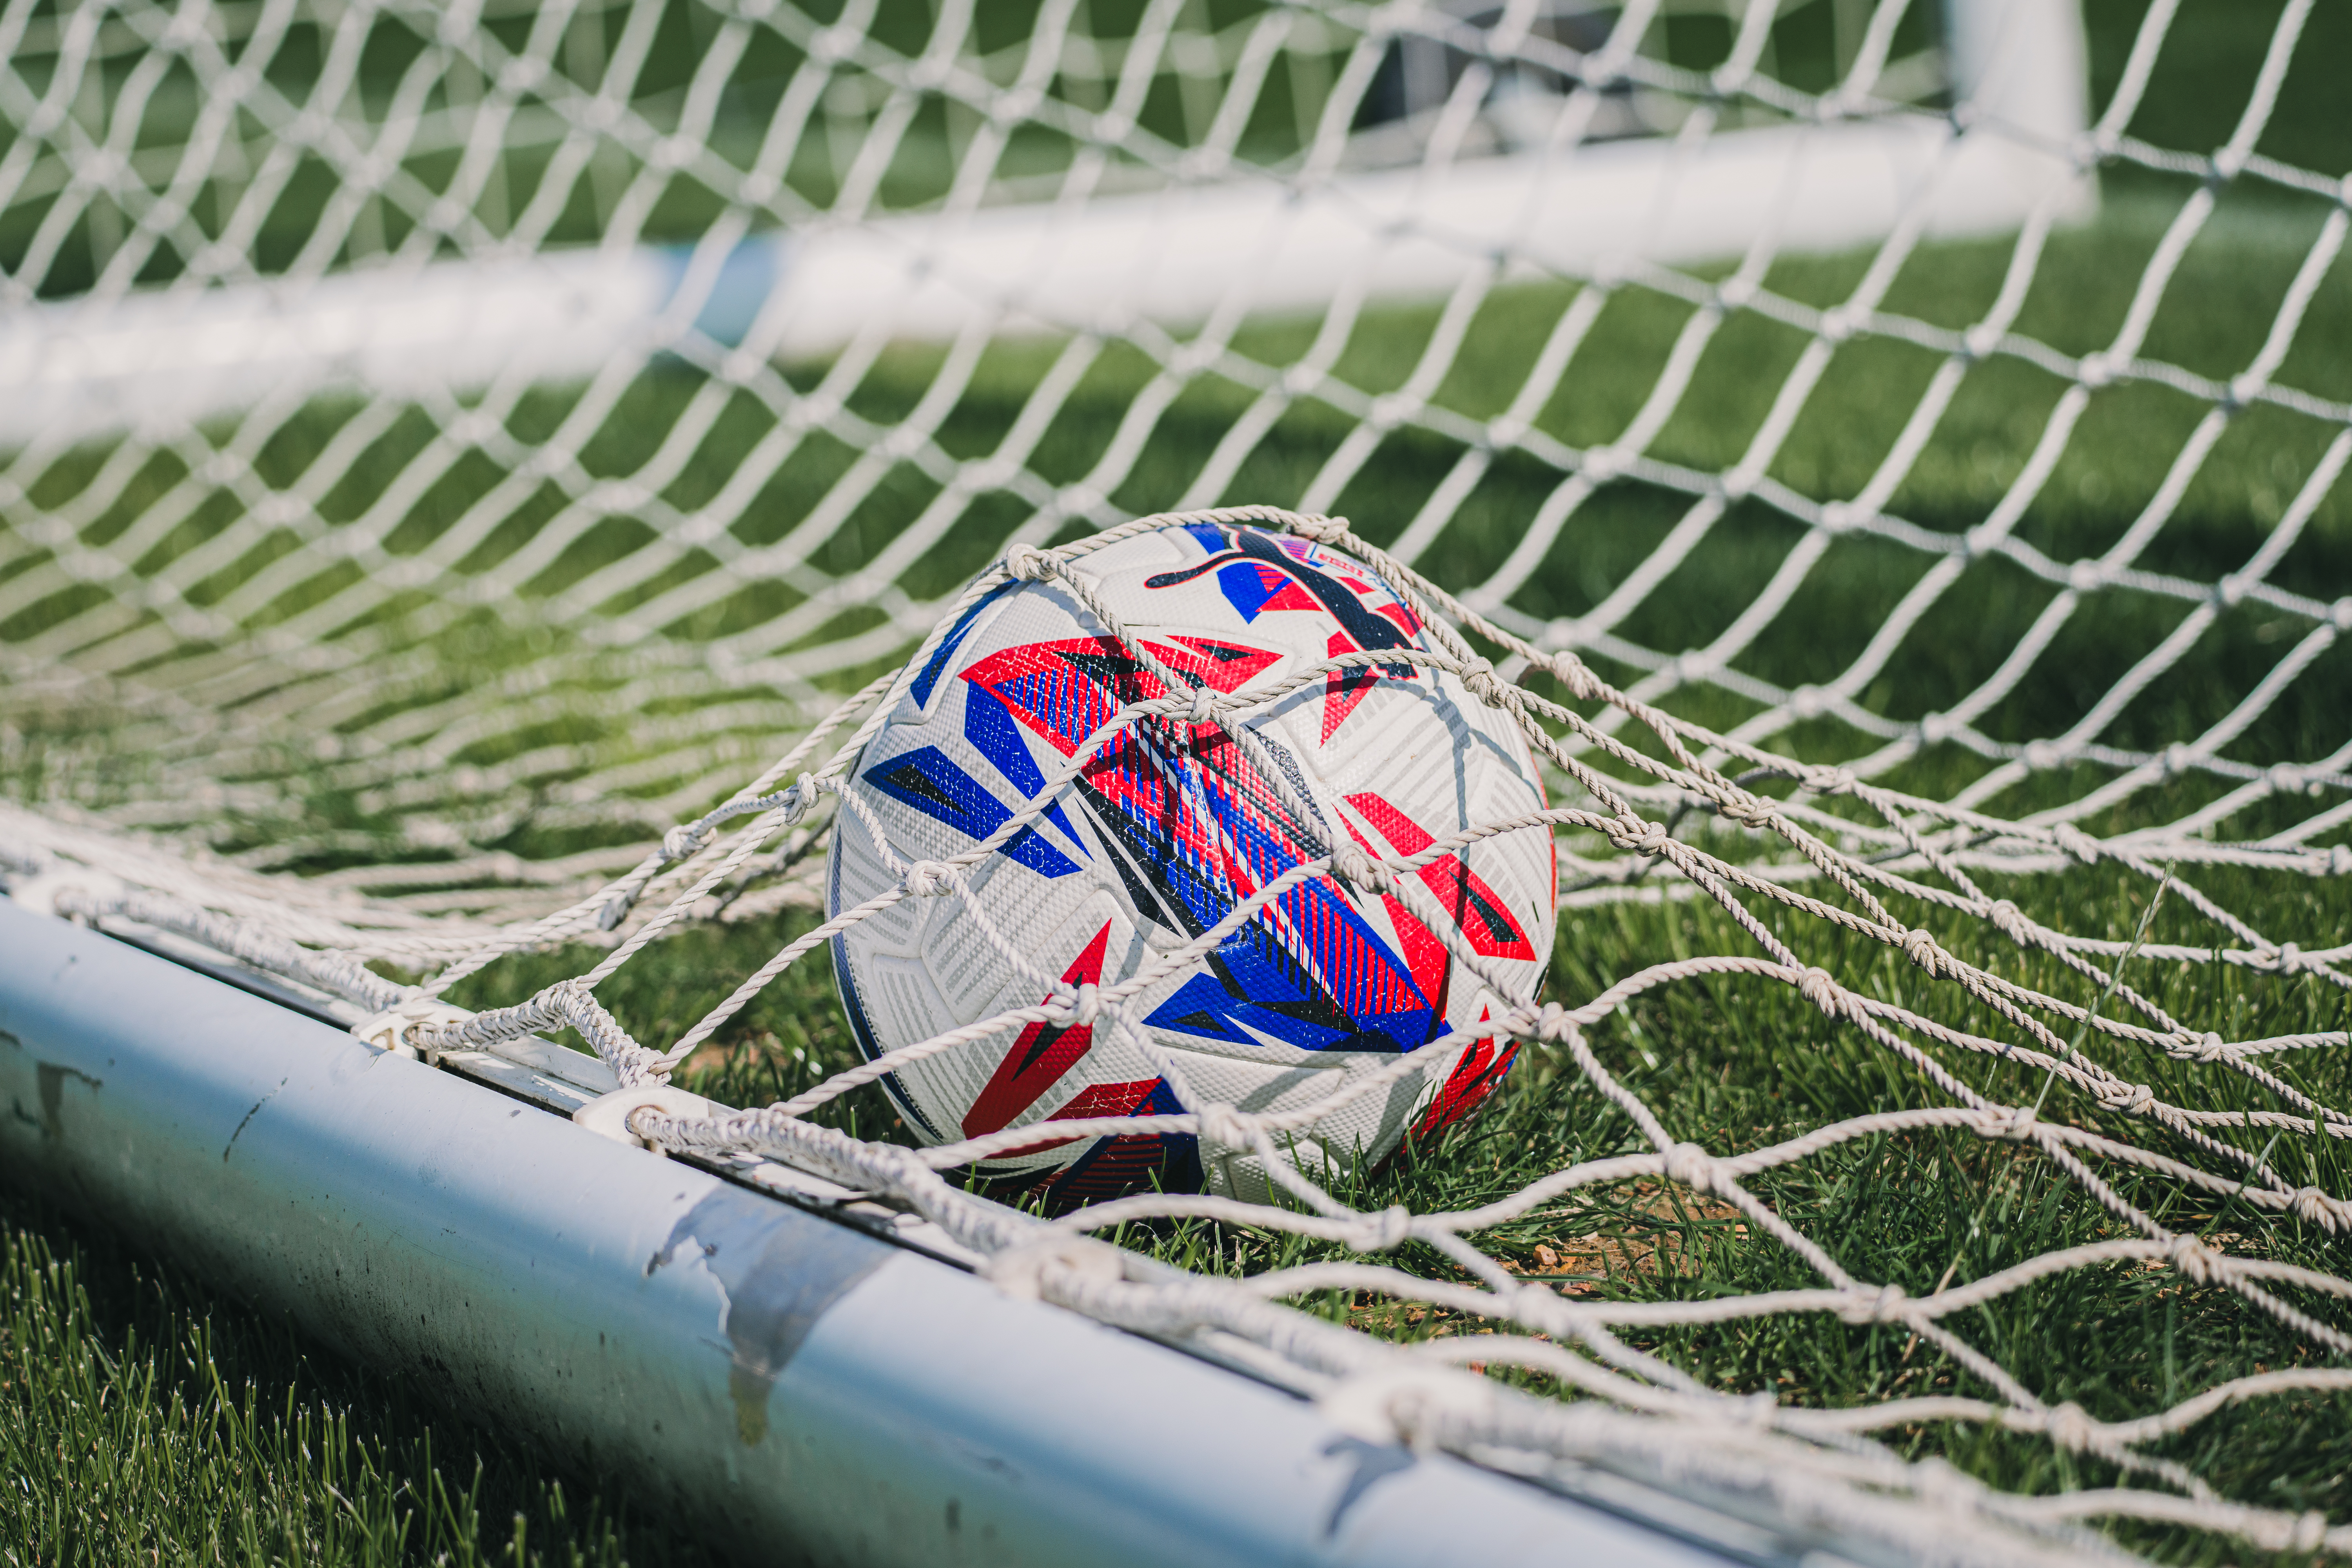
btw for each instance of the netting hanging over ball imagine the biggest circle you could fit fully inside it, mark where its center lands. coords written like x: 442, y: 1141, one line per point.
x: 449, y: 450
x: 1123, y: 889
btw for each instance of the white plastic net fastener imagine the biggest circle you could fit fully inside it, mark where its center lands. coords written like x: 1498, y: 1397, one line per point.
x: 389, y: 1030
x: 930, y: 879
x: 1078, y: 1263
x: 1029, y: 564
x: 1409, y: 1406
x: 609, y: 1115
x: 1351, y: 865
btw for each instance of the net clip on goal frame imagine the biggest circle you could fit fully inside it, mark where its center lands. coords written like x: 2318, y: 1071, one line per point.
x: 796, y: 1377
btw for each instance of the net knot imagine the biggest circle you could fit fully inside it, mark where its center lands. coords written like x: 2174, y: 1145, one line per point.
x: 2132, y: 1099
x: 2016, y: 1125
x: 2284, y: 958
x: 2076, y: 842
x: 1573, y: 673
x: 1413, y: 1406
x: 1028, y: 564
x: 1750, y: 811
x: 1920, y: 949
x: 2190, y: 1255
x: 1553, y: 1024
x: 1831, y: 781
x: 1321, y: 530
x: 684, y: 841
x: 1389, y: 1228
x: 1641, y: 838
x: 1225, y: 1126
x: 929, y: 879
x: 1059, y: 1267
x: 791, y: 803
x: 2070, y: 1427
x: 1479, y: 675
x: 2009, y: 919
x: 1883, y: 1305
x: 2316, y: 1206
x: 2340, y: 861
x: 2208, y: 1047
x: 1819, y: 987
x: 1206, y: 704
x: 1692, y: 1166
x: 1350, y: 864
x: 1086, y: 1006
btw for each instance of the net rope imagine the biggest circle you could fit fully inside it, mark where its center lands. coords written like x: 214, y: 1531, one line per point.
x: 258, y: 635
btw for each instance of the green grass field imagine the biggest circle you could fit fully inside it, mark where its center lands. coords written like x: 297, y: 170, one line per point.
x: 144, y: 1419
x: 139, y: 1414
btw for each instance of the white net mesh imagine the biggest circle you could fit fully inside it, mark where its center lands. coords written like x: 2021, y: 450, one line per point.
x: 448, y: 447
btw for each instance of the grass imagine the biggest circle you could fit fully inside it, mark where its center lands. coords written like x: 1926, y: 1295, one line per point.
x: 144, y: 1419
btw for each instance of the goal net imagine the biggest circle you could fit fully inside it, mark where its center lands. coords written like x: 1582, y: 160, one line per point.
x: 469, y: 476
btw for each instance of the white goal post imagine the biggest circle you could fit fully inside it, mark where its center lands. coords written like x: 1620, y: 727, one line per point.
x: 474, y: 478
x: 1202, y: 244
x: 653, y: 1323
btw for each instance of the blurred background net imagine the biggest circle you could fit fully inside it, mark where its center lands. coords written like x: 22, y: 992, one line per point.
x: 443, y: 450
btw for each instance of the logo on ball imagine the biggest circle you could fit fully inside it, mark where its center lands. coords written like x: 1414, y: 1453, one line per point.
x: 1156, y: 831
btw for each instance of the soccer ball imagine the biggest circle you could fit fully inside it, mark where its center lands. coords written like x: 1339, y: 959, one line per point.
x: 1165, y: 828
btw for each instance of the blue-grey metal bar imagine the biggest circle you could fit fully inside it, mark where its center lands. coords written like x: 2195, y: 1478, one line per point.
x: 798, y: 1386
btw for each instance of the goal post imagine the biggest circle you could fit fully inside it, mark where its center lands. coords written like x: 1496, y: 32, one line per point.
x: 1208, y: 237
x: 798, y: 1369
x: 476, y: 481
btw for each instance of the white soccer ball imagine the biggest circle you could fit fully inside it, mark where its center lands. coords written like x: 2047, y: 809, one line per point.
x: 1165, y: 828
